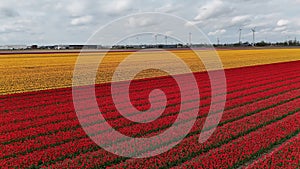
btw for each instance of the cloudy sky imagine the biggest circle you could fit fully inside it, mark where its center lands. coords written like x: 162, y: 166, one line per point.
x: 74, y: 21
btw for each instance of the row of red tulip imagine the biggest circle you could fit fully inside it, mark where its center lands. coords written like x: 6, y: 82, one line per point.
x: 247, y: 147
x: 223, y: 134
x: 189, y: 145
x: 65, y: 108
x: 12, y: 118
x: 285, y: 156
x: 231, y: 103
x: 78, y: 143
x: 26, y: 133
x: 243, y: 71
x: 53, y: 136
x: 67, y: 95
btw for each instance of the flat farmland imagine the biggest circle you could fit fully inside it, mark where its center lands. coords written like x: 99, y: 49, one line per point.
x: 259, y: 128
x: 30, y: 72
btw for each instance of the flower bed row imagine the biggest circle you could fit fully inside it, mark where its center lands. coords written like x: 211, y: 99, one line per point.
x: 286, y: 155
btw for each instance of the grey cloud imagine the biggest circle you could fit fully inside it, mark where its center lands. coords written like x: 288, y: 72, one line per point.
x: 8, y: 13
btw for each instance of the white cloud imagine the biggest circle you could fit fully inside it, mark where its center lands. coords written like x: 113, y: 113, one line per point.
x: 217, y: 32
x: 54, y: 20
x: 169, y: 33
x: 82, y: 20
x: 17, y: 25
x: 117, y: 7
x: 297, y: 1
x: 282, y: 22
x: 75, y: 8
x: 214, y: 8
x: 191, y: 23
x: 296, y: 21
x: 141, y: 22
x: 168, y: 8
x: 240, y: 19
x: 257, y: 24
x: 282, y: 28
x: 265, y: 30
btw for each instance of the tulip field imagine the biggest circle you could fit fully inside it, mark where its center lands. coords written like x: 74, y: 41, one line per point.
x: 259, y: 128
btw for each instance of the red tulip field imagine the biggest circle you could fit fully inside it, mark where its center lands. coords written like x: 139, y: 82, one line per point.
x: 259, y: 127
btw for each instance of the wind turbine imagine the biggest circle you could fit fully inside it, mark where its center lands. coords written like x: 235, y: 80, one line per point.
x: 190, y: 39
x: 240, y: 35
x: 137, y: 40
x: 166, y: 39
x: 253, y: 30
x: 155, y: 39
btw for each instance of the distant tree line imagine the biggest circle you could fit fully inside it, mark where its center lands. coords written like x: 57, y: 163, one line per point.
x: 262, y: 44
